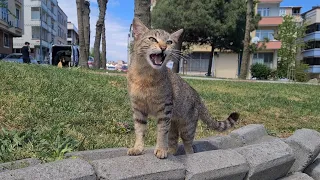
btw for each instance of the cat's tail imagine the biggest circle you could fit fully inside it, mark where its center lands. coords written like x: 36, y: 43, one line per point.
x: 214, y: 124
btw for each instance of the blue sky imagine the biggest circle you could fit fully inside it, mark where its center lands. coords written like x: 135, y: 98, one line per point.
x: 119, y: 17
x: 306, y: 4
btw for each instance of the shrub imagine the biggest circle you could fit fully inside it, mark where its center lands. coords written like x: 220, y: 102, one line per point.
x: 260, y: 71
x: 301, y: 72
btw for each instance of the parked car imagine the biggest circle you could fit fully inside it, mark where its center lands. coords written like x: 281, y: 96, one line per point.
x: 90, y: 61
x: 111, y: 67
x: 124, y: 68
x: 17, y: 57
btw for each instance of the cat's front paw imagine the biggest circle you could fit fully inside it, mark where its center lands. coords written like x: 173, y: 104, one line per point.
x: 161, y: 153
x: 134, y: 152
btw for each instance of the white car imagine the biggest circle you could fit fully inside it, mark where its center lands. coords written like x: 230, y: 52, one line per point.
x: 17, y: 57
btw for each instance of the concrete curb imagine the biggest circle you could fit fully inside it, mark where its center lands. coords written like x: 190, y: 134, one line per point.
x: 246, y: 153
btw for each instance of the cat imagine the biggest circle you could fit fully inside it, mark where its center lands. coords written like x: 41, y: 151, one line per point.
x: 154, y: 90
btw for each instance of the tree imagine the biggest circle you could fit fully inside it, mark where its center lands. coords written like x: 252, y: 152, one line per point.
x: 86, y: 26
x: 291, y: 35
x: 83, y: 62
x: 99, y: 29
x: 104, y: 47
x: 246, y: 50
x: 142, y: 11
x: 171, y: 23
x: 218, y: 23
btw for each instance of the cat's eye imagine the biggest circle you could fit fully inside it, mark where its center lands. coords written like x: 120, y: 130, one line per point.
x: 169, y: 42
x: 152, y: 39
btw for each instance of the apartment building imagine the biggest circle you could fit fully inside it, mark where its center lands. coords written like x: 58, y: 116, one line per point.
x: 311, y: 53
x: 62, y: 30
x: 40, y: 27
x: 11, y: 25
x: 73, y: 36
x: 227, y: 64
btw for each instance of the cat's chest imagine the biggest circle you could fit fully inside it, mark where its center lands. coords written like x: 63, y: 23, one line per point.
x: 149, y: 89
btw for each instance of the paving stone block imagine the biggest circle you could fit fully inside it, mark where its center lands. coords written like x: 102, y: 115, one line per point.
x: 98, y: 153
x: 224, y: 142
x: 306, y: 146
x: 19, y: 164
x: 269, y: 160
x: 75, y: 169
x: 297, y: 176
x: 249, y: 134
x: 313, y: 169
x: 145, y: 166
x: 215, y: 165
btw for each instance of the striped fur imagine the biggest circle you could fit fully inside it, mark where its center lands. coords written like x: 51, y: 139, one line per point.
x: 157, y: 92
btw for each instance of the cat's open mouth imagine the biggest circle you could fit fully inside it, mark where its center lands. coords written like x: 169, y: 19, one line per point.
x: 157, y: 59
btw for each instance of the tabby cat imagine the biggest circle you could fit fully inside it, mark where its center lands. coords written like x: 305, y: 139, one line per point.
x: 156, y: 91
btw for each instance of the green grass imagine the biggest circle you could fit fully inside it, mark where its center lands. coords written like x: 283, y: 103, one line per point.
x: 54, y: 110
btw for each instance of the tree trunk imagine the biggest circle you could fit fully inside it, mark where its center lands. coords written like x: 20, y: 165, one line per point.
x: 246, y: 51
x: 83, y: 61
x: 86, y: 23
x: 176, y: 63
x: 210, y: 60
x: 142, y: 11
x: 104, y: 46
x: 97, y: 39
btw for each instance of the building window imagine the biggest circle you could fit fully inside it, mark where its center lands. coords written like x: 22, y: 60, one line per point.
x: 282, y: 12
x: 35, y: 13
x: 295, y: 11
x: 263, y: 34
x: 35, y: 32
x: 264, y: 11
x: 4, y: 11
x: 312, y: 60
x: 6, y: 41
x: 313, y: 28
x: 18, y: 17
x: 312, y: 45
x: 263, y: 58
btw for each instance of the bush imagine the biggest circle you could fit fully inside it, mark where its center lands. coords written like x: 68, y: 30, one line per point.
x: 301, y: 72
x: 260, y: 71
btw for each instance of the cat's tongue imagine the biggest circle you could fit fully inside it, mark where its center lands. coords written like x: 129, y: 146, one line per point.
x: 157, y: 59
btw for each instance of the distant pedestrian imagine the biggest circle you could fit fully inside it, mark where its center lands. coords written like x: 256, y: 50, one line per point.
x: 25, y: 50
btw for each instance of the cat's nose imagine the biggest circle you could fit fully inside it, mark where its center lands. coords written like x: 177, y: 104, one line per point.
x: 163, y: 48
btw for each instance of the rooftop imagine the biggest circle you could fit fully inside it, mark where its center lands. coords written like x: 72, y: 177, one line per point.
x: 313, y: 8
x: 270, y: 1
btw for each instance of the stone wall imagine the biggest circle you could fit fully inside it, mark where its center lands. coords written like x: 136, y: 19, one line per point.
x: 248, y: 153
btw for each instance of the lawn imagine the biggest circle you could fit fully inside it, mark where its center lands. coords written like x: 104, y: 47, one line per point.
x: 46, y: 111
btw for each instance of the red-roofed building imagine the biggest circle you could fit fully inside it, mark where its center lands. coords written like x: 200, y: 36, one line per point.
x: 271, y: 17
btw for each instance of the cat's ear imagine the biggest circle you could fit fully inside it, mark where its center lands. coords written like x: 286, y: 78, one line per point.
x: 176, y: 35
x: 138, y: 28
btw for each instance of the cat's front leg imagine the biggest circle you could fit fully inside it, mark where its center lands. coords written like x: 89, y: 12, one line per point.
x: 161, y: 150
x: 140, y: 126
x: 164, y: 122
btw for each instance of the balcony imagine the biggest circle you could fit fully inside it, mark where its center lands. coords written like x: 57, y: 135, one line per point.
x: 19, y: 2
x: 314, y: 69
x: 271, y: 21
x: 312, y: 36
x: 271, y: 45
x: 311, y: 53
